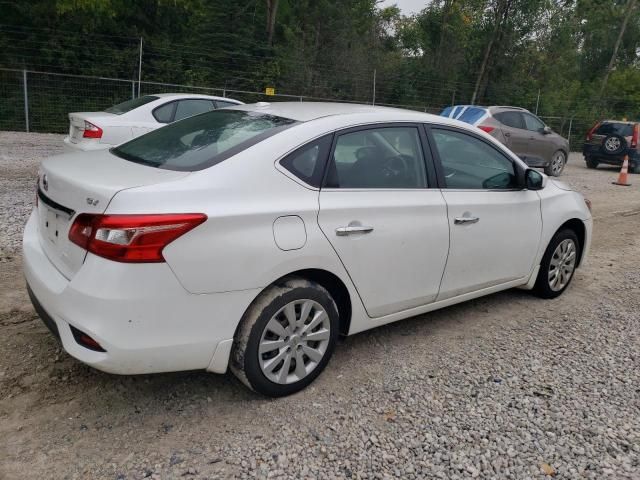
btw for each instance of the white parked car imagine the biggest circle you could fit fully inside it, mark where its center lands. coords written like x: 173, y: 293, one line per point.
x: 251, y: 237
x: 130, y: 119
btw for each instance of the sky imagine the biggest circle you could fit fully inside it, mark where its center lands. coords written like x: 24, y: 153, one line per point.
x: 407, y: 7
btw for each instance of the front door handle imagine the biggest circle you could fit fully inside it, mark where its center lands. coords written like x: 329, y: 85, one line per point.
x: 507, y: 134
x: 465, y: 220
x: 351, y: 229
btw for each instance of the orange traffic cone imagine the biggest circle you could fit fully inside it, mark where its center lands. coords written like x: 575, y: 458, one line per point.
x: 624, y: 171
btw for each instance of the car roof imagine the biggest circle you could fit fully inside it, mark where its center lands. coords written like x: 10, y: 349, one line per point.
x: 507, y: 107
x: 626, y: 122
x: 306, y: 111
x: 192, y: 95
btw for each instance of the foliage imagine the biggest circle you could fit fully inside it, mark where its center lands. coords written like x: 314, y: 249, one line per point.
x: 553, y: 53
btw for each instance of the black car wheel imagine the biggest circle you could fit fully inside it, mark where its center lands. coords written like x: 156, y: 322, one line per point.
x: 591, y: 163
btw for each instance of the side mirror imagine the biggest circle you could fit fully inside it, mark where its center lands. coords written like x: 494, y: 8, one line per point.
x: 547, y: 131
x: 534, y: 180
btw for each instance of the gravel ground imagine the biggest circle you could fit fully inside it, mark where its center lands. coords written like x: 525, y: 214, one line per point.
x: 507, y: 386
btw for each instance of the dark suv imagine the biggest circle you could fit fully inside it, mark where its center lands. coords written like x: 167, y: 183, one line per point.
x: 609, y: 141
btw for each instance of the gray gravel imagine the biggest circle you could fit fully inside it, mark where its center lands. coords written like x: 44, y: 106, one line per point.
x: 507, y: 386
x: 20, y: 155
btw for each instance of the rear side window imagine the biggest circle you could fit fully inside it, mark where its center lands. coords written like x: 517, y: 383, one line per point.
x: 201, y: 141
x: 622, y: 129
x: 389, y: 157
x: 510, y: 119
x: 307, y: 163
x: 189, y: 108
x: 129, y: 105
x: 164, y: 114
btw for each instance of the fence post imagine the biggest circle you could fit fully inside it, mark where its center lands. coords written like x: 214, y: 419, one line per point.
x: 26, y: 100
x: 537, y: 101
x: 374, y: 87
x: 133, y: 89
x: 140, y: 67
x: 569, y: 134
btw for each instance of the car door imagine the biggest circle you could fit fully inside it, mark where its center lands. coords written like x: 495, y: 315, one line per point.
x: 386, y: 222
x: 540, y: 148
x: 495, y: 225
x: 514, y: 131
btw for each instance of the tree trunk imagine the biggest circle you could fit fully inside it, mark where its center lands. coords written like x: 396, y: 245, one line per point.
x: 272, y: 10
x: 627, y: 13
x: 446, y: 12
x: 501, y: 16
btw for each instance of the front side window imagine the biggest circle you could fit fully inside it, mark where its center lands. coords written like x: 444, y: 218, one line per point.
x: 201, y: 141
x: 191, y: 107
x: 534, y: 124
x: 129, y: 105
x: 388, y: 157
x: 470, y: 163
x: 511, y: 119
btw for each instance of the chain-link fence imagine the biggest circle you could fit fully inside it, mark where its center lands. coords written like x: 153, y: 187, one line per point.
x: 36, y: 101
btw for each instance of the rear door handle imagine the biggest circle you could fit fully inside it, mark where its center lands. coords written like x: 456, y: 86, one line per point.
x: 350, y: 230
x: 465, y: 220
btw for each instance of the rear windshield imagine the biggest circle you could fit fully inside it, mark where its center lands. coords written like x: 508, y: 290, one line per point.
x: 202, y: 140
x: 129, y: 105
x: 622, y: 129
x: 465, y: 113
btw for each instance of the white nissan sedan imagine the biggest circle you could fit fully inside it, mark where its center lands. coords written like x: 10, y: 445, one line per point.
x: 130, y: 119
x: 249, y: 238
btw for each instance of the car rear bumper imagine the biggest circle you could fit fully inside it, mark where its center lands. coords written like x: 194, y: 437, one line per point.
x: 140, y: 314
x: 594, y: 152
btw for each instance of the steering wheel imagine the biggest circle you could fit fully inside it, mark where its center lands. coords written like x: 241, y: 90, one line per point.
x: 396, y: 166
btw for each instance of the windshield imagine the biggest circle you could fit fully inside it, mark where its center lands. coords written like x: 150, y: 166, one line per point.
x: 201, y: 141
x: 129, y: 105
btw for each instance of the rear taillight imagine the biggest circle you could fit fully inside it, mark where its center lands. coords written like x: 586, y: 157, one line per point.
x: 593, y: 129
x: 636, y: 134
x: 486, y: 128
x: 131, y: 238
x: 91, y: 130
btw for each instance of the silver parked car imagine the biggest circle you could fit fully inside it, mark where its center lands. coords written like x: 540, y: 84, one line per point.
x: 525, y: 134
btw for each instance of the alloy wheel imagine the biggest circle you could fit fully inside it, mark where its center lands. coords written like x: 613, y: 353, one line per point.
x: 562, y: 265
x: 557, y: 163
x: 294, y: 341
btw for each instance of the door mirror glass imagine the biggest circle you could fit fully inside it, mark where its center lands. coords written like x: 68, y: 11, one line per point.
x: 534, y: 180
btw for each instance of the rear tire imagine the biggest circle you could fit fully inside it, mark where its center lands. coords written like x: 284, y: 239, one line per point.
x: 558, y: 264
x: 273, y: 353
x: 591, y: 163
x: 558, y: 161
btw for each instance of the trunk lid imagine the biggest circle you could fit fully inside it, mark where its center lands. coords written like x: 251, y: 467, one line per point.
x: 83, y: 183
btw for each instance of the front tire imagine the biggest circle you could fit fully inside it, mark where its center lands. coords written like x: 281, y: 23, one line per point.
x: 558, y: 161
x: 591, y: 163
x: 285, y: 338
x: 558, y: 264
